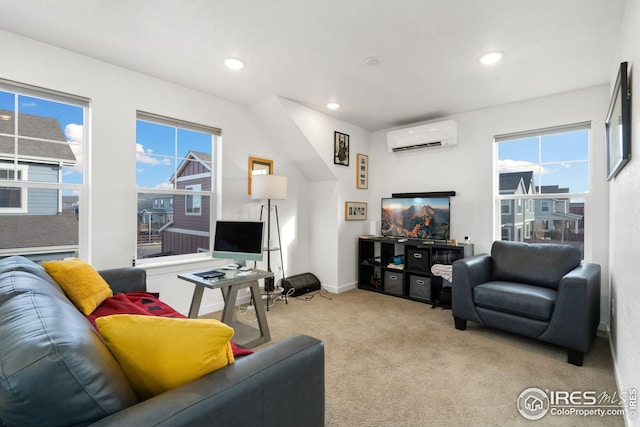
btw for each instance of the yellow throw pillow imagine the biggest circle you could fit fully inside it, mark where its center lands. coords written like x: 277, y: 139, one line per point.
x: 82, y: 284
x: 160, y: 353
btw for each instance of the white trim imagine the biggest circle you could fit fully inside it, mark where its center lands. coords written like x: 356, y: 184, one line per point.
x: 192, y: 177
x: 190, y: 232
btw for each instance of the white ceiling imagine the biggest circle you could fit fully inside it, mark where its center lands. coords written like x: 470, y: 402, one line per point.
x: 313, y: 51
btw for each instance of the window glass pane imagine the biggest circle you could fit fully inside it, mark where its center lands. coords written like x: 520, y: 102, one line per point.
x: 173, y: 158
x: 41, y: 141
x: 555, y: 168
x: 47, y: 229
x: 569, y: 146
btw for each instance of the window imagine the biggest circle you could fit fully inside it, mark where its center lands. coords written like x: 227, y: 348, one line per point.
x: 193, y: 204
x: 13, y: 199
x: 43, y: 139
x: 175, y: 180
x: 548, y: 169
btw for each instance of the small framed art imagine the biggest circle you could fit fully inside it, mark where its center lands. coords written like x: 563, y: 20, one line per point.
x: 355, y: 211
x: 362, y: 171
x: 340, y: 148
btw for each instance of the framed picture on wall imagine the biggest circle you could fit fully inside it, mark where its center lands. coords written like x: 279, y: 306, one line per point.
x: 355, y: 211
x: 340, y: 148
x: 362, y: 171
x: 259, y: 166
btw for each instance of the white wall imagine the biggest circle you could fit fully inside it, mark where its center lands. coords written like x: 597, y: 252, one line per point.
x: 468, y: 169
x: 624, y: 210
x: 333, y: 247
x: 115, y: 95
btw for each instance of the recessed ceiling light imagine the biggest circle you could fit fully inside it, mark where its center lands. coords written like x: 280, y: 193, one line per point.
x: 491, y: 58
x: 5, y: 117
x: 233, y: 63
x: 333, y: 105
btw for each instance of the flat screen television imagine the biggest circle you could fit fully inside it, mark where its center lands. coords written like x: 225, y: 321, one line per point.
x: 416, y: 217
x: 239, y: 241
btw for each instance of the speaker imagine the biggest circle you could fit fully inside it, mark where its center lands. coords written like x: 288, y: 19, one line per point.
x: 301, y: 284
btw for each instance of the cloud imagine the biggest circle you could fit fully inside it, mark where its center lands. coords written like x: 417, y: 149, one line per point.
x: 147, y: 157
x: 164, y: 186
x: 75, y: 135
x: 509, y: 165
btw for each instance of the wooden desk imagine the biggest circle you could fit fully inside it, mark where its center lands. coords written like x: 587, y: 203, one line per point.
x: 229, y: 285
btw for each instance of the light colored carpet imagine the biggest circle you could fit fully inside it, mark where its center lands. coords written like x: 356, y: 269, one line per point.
x: 395, y: 362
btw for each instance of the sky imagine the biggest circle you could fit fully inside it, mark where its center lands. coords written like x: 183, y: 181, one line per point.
x: 159, y: 150
x: 558, y: 159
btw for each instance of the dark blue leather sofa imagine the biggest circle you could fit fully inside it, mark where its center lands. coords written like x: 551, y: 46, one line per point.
x: 56, y: 371
x: 542, y: 291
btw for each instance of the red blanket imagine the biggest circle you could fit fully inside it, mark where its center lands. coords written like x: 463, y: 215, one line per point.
x: 145, y: 303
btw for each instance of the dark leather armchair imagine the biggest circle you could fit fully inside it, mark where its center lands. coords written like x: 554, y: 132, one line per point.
x: 543, y: 291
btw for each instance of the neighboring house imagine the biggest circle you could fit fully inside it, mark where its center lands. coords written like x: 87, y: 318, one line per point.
x: 42, y: 152
x: 189, y: 230
x: 517, y: 217
x: 154, y: 214
x: 555, y: 217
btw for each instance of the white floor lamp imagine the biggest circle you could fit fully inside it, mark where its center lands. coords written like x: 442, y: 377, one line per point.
x: 270, y: 187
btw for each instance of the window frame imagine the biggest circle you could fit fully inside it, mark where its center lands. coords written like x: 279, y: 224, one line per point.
x: 82, y: 189
x: 549, y: 198
x: 23, y: 175
x: 213, y: 194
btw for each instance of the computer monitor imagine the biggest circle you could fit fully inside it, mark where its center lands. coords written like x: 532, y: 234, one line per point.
x: 239, y: 241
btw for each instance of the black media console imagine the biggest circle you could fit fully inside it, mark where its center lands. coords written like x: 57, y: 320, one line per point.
x: 403, y: 267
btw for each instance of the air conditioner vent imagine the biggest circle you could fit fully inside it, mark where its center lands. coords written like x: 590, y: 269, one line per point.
x: 430, y: 135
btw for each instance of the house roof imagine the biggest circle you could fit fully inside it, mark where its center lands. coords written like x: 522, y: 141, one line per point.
x: 202, y: 157
x: 509, y: 181
x: 50, y: 230
x: 31, y: 126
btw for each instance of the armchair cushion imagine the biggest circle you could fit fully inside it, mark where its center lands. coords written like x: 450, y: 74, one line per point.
x: 534, y: 302
x: 539, y: 264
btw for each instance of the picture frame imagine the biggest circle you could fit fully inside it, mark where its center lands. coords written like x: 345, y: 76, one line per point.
x: 340, y: 148
x: 258, y: 166
x: 618, y: 125
x: 355, y: 211
x: 362, y: 171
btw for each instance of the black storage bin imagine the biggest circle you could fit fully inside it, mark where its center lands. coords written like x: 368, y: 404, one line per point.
x: 393, y: 282
x: 417, y: 260
x: 420, y: 287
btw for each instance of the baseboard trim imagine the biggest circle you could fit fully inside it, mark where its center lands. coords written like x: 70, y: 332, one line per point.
x: 339, y: 289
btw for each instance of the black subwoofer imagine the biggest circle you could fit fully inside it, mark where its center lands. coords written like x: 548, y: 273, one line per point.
x: 301, y: 284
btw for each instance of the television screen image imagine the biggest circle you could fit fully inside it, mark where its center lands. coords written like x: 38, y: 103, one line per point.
x: 416, y: 218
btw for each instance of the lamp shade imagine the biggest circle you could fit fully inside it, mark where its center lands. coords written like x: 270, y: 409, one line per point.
x: 271, y: 187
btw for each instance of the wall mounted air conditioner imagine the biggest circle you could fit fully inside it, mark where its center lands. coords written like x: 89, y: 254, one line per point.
x: 430, y: 135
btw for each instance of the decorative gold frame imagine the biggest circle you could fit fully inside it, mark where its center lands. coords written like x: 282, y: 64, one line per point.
x: 362, y: 171
x: 259, y: 166
x: 355, y: 211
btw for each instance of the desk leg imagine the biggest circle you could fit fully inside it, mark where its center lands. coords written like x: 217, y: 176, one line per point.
x: 195, y: 302
x: 230, y: 295
x: 260, y: 313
